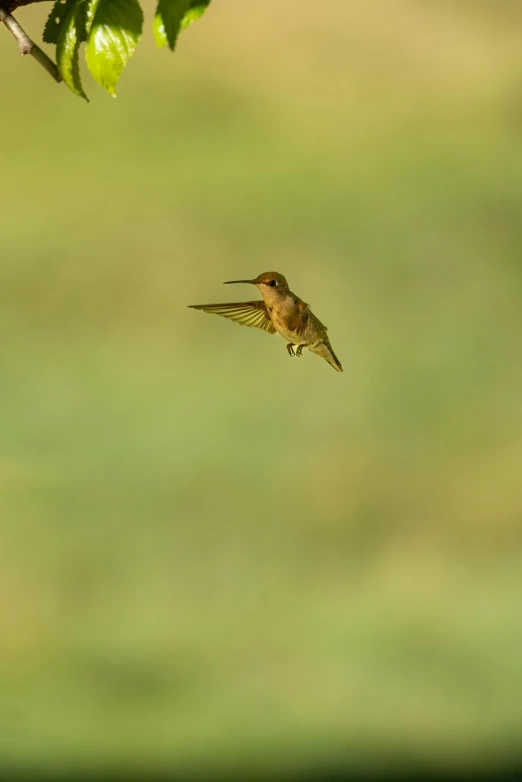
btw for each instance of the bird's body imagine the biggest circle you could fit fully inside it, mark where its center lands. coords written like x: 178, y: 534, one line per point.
x: 282, y: 312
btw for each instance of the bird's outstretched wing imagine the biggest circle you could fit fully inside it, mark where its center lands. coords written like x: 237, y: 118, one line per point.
x: 247, y: 313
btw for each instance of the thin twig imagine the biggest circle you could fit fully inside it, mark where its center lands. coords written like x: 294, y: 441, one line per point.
x: 12, y: 5
x: 28, y: 46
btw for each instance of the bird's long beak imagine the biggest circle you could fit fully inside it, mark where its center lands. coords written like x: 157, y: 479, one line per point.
x: 233, y: 282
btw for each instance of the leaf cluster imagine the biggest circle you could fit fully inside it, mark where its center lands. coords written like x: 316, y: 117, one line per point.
x: 109, y: 31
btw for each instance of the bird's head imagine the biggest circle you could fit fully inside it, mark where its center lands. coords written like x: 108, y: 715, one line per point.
x: 269, y: 284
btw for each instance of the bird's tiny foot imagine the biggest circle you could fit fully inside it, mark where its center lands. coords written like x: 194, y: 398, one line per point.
x: 290, y: 348
x: 299, y: 351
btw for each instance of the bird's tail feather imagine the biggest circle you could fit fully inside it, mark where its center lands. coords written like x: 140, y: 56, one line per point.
x: 325, y: 350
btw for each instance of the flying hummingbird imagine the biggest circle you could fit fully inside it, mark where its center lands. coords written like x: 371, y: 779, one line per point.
x: 280, y: 311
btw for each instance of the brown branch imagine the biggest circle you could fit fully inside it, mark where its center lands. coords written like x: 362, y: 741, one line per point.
x: 12, y: 5
x: 26, y: 45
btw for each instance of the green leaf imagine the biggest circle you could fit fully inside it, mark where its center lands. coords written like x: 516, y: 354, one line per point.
x: 197, y: 9
x: 173, y: 16
x: 71, y: 34
x: 92, y: 5
x: 114, y: 29
x: 167, y: 21
x: 56, y: 18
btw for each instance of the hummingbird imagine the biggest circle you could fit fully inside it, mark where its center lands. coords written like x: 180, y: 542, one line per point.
x: 280, y: 311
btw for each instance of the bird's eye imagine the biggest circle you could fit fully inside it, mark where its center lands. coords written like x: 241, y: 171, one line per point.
x: 271, y: 282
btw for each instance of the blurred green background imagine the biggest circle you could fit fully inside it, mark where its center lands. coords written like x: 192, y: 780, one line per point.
x: 213, y: 555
